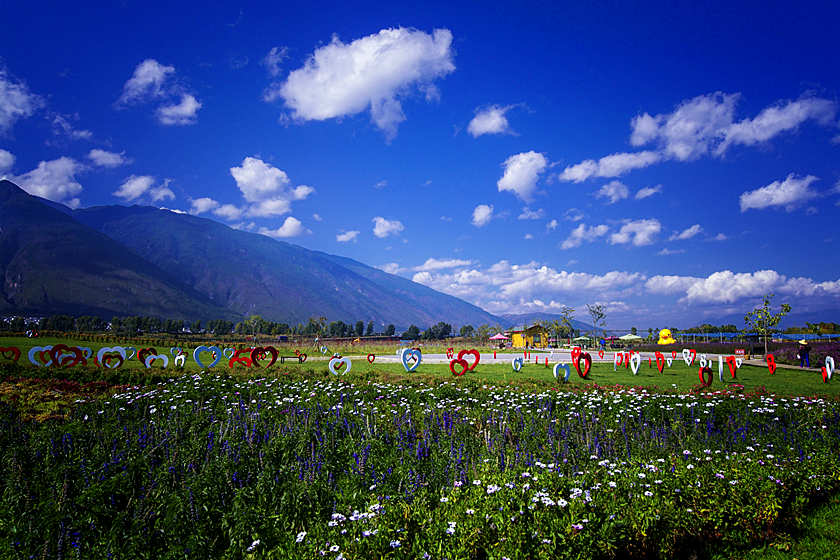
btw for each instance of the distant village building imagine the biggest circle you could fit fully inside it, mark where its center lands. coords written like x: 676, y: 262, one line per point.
x: 535, y: 336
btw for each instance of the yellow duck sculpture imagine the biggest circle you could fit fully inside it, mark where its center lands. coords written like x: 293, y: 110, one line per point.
x: 665, y: 337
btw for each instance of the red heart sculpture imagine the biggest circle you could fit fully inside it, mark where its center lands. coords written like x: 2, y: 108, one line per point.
x: 371, y: 357
x: 601, y: 354
x: 771, y: 363
x: 693, y: 353
x: 576, y: 351
x: 620, y: 358
x: 238, y: 357
x: 302, y: 357
x: 660, y: 362
x: 465, y: 367
x: 297, y: 352
x: 702, y: 372
x: 627, y: 359
x: 673, y: 354
x: 587, y: 360
x: 450, y: 352
x: 733, y: 365
x: 824, y: 374
x: 144, y: 353
x: 261, y: 353
x: 64, y: 360
x: 10, y: 353
x: 472, y: 351
x: 109, y: 357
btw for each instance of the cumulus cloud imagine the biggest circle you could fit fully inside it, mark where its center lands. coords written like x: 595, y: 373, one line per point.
x: 646, y: 192
x: 229, y: 211
x: 54, y: 180
x: 490, y: 120
x: 687, y: 233
x: 482, y: 214
x: 637, y: 232
x: 613, y: 192
x: 528, y: 214
x: 666, y: 285
x: 372, y: 73
x: 16, y: 101
x: 720, y: 237
x: 104, y: 158
x: 203, y: 204
x: 390, y: 268
x: 433, y: 264
x: 292, y: 227
x: 137, y: 186
x: 584, y: 233
x: 521, y: 174
x: 146, y: 82
x: 347, y: 236
x: 383, y: 228
x: 790, y: 194
x: 552, y: 225
x: 613, y: 165
x: 267, y: 188
x: 7, y: 160
x: 182, y: 113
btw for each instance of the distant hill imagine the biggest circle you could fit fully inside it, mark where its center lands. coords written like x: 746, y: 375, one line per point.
x: 142, y: 260
x: 527, y: 319
x: 50, y: 263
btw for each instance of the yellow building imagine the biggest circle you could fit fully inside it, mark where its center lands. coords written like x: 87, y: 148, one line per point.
x: 534, y: 336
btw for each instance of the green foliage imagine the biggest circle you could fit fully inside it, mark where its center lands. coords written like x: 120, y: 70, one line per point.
x: 762, y: 320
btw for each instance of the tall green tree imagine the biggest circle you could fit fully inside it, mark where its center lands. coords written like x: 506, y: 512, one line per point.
x: 467, y: 331
x: 598, y: 312
x: 762, y: 320
x: 369, y: 331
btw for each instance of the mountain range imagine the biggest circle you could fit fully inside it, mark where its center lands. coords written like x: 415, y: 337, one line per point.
x: 140, y: 260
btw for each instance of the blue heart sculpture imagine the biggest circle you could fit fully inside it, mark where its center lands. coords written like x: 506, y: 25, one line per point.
x: 517, y: 363
x: 32, y: 359
x: 105, y: 350
x: 409, y: 353
x: 214, y: 349
x: 151, y: 358
x: 86, y: 352
x: 175, y: 350
x: 564, y: 367
x: 335, y: 360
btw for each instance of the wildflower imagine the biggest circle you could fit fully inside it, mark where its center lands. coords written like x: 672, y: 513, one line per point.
x: 253, y: 546
x: 395, y: 544
x: 300, y: 536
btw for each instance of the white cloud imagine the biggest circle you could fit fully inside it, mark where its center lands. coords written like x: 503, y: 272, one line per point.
x: 638, y: 232
x: 292, y: 227
x: 390, y: 268
x: 582, y: 234
x: 666, y: 251
x: 7, y: 160
x: 54, y: 180
x: 203, y: 204
x: 317, y: 217
x: 573, y: 215
x: 134, y: 187
x: 790, y: 193
x: 433, y: 264
x: 267, y: 188
x: 687, y: 233
x: 552, y: 225
x: 490, y: 120
x: 612, y: 165
x: 521, y: 174
x: 347, y: 236
x: 373, y: 72
x: 229, y: 211
x: 528, y: 236
x: 613, y: 191
x: 776, y: 119
x: 381, y: 184
x: 645, y: 192
x: 482, y: 214
x: 181, y: 113
x: 270, y: 207
x: 528, y: 214
x: 274, y: 59
x: 666, y: 285
x: 720, y: 237
x: 103, y: 158
x: 146, y: 82
x: 383, y: 228
x: 161, y: 192
x: 16, y: 101
x: 62, y: 125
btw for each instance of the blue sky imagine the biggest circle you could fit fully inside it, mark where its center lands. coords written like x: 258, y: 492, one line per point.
x: 672, y: 163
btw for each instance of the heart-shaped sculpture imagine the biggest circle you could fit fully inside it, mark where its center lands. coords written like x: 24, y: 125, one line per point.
x: 587, y: 361
x: 771, y: 363
x: 465, y: 367
x: 229, y: 353
x: 673, y: 355
x: 181, y: 360
x: 627, y: 356
x: 302, y: 357
x: 450, y: 353
x: 703, y: 362
x: 240, y: 356
x: 472, y: 352
x: 732, y: 362
x: 371, y: 358
x: 10, y: 353
x: 706, y: 377
x: 562, y: 367
x: 130, y: 351
x: 175, y: 350
x: 153, y: 357
x: 618, y: 359
x: 324, y: 350
x: 824, y: 373
x: 43, y: 356
x: 669, y: 361
x: 66, y: 356
x: 829, y: 365
x: 600, y: 354
x: 87, y: 353
x: 739, y: 362
x: 144, y: 352
x: 335, y: 364
x: 720, y: 367
x: 635, y: 362
x: 517, y: 363
x: 261, y: 353
x: 411, y: 354
x: 215, y: 350
x: 106, y: 356
x: 576, y: 351
x: 660, y: 362
x: 689, y: 356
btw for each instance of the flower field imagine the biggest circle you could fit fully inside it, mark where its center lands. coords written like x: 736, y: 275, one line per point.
x: 297, y: 466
